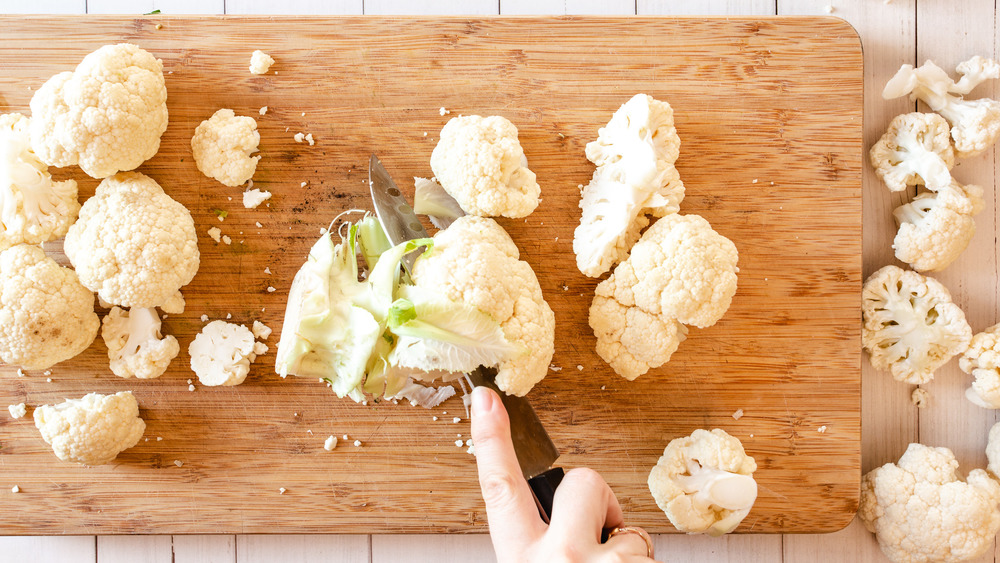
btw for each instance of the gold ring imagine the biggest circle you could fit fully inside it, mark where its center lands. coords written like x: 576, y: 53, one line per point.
x: 635, y: 530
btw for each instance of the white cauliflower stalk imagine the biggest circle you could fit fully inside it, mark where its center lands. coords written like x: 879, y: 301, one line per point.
x: 135, y: 346
x: 910, y: 325
x: 222, y: 146
x: 479, y: 162
x: 936, y: 227
x: 92, y: 430
x: 704, y: 482
x: 915, y: 150
x: 107, y: 115
x: 133, y: 244
x: 33, y: 208
x: 920, y: 511
x: 46, y: 316
x: 982, y: 361
x: 635, y: 177
x: 221, y: 353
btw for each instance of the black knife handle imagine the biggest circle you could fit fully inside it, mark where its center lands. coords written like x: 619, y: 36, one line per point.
x: 543, y: 487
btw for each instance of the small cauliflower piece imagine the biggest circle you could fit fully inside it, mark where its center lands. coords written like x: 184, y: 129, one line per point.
x: 46, y: 315
x: 107, y: 115
x: 260, y: 62
x: 133, y: 244
x: 253, y: 198
x: 33, y: 208
x: 993, y: 450
x: 704, y: 482
x: 175, y: 305
x: 920, y: 511
x: 92, y: 430
x: 260, y: 330
x: 936, y: 227
x: 915, y: 150
x: 479, y: 162
x: 982, y: 361
x: 222, y: 146
x: 920, y: 397
x: 17, y: 411
x: 910, y: 325
x: 221, y: 353
x: 135, y: 346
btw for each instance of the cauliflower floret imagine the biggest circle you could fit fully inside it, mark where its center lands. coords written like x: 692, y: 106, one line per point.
x: 680, y: 271
x: 175, y: 305
x: 982, y: 361
x: 135, y: 346
x: 260, y: 62
x: 474, y: 261
x: 261, y: 330
x: 704, y: 482
x: 222, y: 146
x: 33, y: 208
x: 92, y: 430
x: 107, y: 115
x: 993, y: 450
x: 133, y: 244
x: 915, y: 150
x: 911, y: 327
x: 975, y: 124
x: 920, y: 511
x: 221, y: 353
x: 479, y: 161
x: 936, y: 227
x: 46, y: 316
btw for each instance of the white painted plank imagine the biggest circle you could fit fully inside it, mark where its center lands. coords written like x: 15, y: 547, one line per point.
x: 303, y: 549
x: 397, y: 548
x: 165, y: 6
x: 573, y: 7
x: 40, y: 549
x: 734, y: 548
x: 43, y: 7
x: 705, y: 7
x: 854, y: 544
x: 432, y: 7
x: 295, y: 7
x: 204, y: 549
x: 134, y: 549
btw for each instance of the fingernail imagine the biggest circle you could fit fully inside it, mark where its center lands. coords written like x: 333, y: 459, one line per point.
x: 482, y: 400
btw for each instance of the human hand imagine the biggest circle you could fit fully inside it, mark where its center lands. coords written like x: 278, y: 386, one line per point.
x: 584, y: 504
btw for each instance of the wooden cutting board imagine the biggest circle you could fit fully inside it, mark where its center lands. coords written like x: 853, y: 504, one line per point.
x: 769, y: 113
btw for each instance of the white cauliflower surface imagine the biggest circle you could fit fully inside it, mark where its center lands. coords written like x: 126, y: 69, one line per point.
x: 92, y: 430
x: 107, y: 115
x: 993, y: 450
x: 260, y: 62
x: 920, y: 510
x: 222, y: 146
x: 221, y: 353
x: 33, y: 208
x: 479, y: 162
x: 982, y: 361
x: 936, y: 227
x: 135, y: 346
x: 704, y: 482
x: 46, y: 315
x: 133, y: 244
x: 915, y: 150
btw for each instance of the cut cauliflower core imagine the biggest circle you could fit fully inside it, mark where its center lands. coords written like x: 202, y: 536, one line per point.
x: 222, y: 146
x: 221, y: 353
x: 92, y: 430
x: 33, y: 208
x: 936, y: 227
x: 982, y: 360
x: 916, y: 150
x: 911, y: 327
x: 135, y: 346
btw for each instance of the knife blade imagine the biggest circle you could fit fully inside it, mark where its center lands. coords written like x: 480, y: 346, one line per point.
x: 536, y: 453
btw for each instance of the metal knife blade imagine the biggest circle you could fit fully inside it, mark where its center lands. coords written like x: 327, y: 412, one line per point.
x: 394, y: 213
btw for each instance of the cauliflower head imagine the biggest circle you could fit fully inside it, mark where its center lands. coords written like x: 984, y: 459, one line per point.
x: 474, y: 261
x: 135, y: 346
x: 222, y: 146
x: 479, y: 162
x: 635, y: 177
x: 982, y: 361
x: 910, y: 325
x: 46, y: 316
x: 920, y: 511
x: 936, y: 227
x: 915, y: 150
x: 107, y: 115
x: 221, y: 353
x: 33, y: 208
x: 92, y: 430
x: 133, y: 244
x: 704, y: 482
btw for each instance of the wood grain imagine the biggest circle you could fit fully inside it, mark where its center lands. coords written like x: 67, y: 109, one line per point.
x: 771, y: 100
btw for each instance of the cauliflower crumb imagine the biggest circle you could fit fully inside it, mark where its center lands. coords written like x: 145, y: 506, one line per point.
x: 262, y: 110
x: 159, y: 438
x: 178, y: 463
x: 456, y: 420
x: 18, y: 410
x: 828, y: 9
x: 282, y: 490
x: 330, y: 443
x: 48, y: 380
x: 299, y: 137
x: 258, y: 224
x: 15, y: 489
x: 821, y: 429
x: 554, y: 367
x: 309, y: 138
x: 20, y: 372
x: 204, y: 318
x: 443, y: 112
x: 459, y: 443
x: 260, y: 330
x: 260, y: 62
x: 920, y: 397
x: 738, y: 414
x: 253, y: 198
x: 434, y: 418
x: 259, y: 348
x: 303, y: 184
x: 215, y: 233
x: 357, y: 443
x: 271, y: 289
x: 191, y: 387
x: 267, y: 271
x: 226, y: 239
x: 579, y: 367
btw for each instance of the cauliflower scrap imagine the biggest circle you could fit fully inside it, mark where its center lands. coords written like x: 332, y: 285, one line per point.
x: 253, y: 198
x: 704, y: 482
x: 480, y: 162
x: 474, y: 261
x: 635, y: 177
x: 975, y: 124
x: 993, y: 450
x: 260, y: 62
x: 982, y: 361
x: 681, y: 272
x: 133, y: 244
x: 936, y: 227
x: 222, y: 146
x: 910, y: 325
x: 107, y: 115
x: 920, y: 511
x: 135, y: 346
x: 221, y: 353
x: 46, y: 316
x: 92, y: 430
x: 915, y: 150
x: 33, y: 208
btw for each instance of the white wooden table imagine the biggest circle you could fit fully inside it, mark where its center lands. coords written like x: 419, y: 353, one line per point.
x: 948, y: 32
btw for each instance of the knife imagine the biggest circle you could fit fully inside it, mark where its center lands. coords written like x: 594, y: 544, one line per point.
x: 535, y: 451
